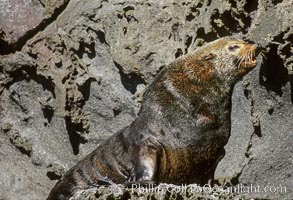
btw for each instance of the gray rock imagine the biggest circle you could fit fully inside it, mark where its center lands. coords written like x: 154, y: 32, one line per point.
x: 72, y: 74
x: 19, y: 177
x: 21, y: 20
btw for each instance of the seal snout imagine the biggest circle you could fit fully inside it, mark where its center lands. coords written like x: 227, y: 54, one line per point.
x: 252, y: 55
x: 248, y: 55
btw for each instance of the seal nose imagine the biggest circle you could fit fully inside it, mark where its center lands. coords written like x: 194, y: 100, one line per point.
x: 254, y: 45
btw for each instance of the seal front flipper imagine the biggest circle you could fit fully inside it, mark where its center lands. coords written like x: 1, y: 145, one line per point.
x: 212, y: 169
x: 64, y: 188
x: 148, y: 161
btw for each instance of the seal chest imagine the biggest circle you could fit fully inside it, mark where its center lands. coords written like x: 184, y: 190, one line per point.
x: 181, y: 128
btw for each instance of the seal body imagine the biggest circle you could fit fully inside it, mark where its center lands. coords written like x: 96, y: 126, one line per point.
x: 181, y: 128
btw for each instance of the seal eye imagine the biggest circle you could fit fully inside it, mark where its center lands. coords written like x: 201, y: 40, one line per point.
x: 233, y: 47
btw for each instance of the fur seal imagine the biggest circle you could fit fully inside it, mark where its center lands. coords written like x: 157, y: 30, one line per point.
x: 181, y: 128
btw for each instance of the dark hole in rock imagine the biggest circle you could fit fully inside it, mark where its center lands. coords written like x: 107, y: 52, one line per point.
x: 116, y: 112
x: 74, y: 138
x: 101, y: 37
x: 129, y: 81
x: 53, y: 176
x: 273, y: 73
x: 48, y: 113
x: 178, y: 53
x: 188, y: 42
x: 190, y: 17
x: 251, y: 6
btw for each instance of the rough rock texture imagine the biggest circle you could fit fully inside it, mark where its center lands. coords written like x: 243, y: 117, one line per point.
x: 72, y: 73
x: 162, y: 191
x: 22, y: 19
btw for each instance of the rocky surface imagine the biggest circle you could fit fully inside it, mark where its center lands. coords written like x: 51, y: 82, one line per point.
x: 22, y: 19
x: 72, y: 73
x: 162, y: 191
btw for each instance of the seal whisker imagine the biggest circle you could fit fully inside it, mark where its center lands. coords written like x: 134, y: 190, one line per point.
x: 241, y: 60
x: 247, y: 60
x: 238, y: 62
